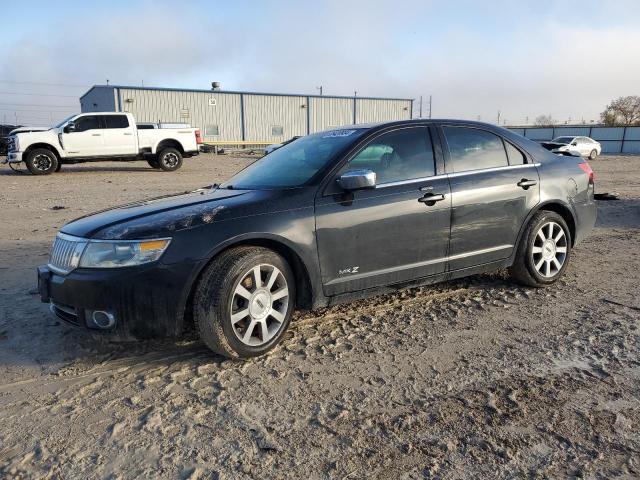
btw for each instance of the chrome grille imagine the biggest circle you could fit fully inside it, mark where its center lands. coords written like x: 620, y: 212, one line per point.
x: 65, y: 253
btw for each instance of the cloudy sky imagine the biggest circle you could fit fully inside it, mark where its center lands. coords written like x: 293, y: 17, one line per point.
x: 524, y: 58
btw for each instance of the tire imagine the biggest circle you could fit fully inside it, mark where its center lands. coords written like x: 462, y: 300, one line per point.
x: 169, y: 159
x: 59, y: 167
x: 536, y: 262
x: 593, y: 154
x: 153, y: 162
x: 260, y: 320
x: 41, y: 161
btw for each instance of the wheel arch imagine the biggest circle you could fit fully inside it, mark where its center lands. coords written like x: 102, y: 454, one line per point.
x: 169, y: 143
x: 304, y: 286
x: 553, y: 206
x: 46, y: 146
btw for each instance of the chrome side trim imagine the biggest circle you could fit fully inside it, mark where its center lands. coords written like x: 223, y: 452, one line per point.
x: 456, y: 174
x: 385, y: 271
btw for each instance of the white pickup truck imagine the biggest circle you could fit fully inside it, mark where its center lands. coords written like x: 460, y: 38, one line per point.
x: 100, y: 136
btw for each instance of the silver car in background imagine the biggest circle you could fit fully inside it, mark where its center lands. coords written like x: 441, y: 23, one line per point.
x: 568, y: 145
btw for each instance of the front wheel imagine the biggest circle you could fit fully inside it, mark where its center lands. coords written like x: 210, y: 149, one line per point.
x: 244, y: 302
x: 169, y: 159
x: 593, y: 154
x: 42, y: 162
x: 153, y: 162
x: 544, y: 251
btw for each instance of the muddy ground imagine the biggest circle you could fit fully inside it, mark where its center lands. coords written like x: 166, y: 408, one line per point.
x: 478, y: 378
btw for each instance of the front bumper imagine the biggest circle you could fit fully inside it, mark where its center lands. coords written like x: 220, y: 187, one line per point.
x: 14, y: 157
x: 145, y: 302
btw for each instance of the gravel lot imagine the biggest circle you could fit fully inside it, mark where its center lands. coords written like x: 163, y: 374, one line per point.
x: 478, y: 378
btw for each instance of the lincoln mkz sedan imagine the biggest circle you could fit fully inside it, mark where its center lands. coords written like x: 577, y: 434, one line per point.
x: 333, y: 216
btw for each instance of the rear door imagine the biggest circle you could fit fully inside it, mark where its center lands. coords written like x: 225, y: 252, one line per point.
x: 119, y: 136
x: 87, y: 139
x: 389, y: 234
x: 493, y: 188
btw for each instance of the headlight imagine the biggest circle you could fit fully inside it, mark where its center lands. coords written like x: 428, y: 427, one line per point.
x: 125, y: 253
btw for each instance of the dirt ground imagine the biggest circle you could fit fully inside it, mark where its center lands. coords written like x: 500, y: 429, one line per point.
x: 477, y: 378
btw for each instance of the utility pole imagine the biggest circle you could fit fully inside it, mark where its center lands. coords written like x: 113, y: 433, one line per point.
x: 430, y: 104
x: 420, y: 114
x: 498, y: 117
x: 320, y: 89
x: 107, y: 81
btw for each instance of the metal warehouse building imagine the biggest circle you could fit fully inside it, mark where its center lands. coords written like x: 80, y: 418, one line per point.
x: 230, y: 117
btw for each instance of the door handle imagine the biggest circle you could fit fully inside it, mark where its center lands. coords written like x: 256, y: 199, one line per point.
x: 431, y: 198
x: 96, y: 134
x: 525, y: 183
x: 128, y: 133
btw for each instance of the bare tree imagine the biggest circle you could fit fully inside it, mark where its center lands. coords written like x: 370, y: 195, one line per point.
x: 622, y: 111
x: 544, y: 121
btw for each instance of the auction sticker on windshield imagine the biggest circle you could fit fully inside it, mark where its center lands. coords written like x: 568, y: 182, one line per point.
x: 338, y: 133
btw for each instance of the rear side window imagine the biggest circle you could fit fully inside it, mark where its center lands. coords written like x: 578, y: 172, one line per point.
x: 473, y: 149
x: 516, y: 157
x: 399, y: 155
x: 88, y: 122
x: 116, y: 121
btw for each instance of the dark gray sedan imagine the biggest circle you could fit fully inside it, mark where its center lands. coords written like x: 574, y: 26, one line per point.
x: 330, y: 217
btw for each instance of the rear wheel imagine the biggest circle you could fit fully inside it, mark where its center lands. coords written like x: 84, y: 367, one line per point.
x: 544, y: 251
x: 244, y: 302
x: 593, y: 154
x: 169, y: 159
x: 41, y: 161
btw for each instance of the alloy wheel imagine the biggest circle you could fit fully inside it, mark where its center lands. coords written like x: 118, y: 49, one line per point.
x: 259, y: 305
x: 170, y: 159
x: 42, y: 162
x: 549, y: 250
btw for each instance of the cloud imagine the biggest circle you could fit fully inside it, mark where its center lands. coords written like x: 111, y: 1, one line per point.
x: 525, y: 58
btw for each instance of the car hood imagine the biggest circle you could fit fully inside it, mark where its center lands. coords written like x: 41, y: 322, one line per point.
x: 158, y: 217
x: 553, y: 145
x: 28, y: 129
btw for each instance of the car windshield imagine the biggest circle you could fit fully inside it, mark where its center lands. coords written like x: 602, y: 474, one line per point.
x: 63, y: 122
x: 563, y: 140
x: 294, y: 164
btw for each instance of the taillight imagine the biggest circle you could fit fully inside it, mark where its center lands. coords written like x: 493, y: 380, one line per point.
x: 198, y: 137
x: 587, y: 169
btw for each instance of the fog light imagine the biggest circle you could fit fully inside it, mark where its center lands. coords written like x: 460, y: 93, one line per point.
x: 100, y: 319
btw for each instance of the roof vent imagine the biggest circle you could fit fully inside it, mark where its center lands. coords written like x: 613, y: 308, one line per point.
x: 215, y: 86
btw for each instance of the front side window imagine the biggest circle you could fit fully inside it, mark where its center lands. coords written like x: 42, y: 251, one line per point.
x: 404, y: 154
x: 474, y: 149
x: 563, y: 140
x: 295, y: 163
x: 116, y: 121
x: 88, y: 122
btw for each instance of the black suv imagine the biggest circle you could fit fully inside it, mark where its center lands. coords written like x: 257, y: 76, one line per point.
x: 332, y: 216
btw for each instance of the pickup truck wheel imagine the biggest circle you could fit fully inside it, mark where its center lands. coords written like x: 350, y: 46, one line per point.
x: 59, y: 167
x: 244, y: 302
x: 153, y: 162
x: 169, y: 159
x: 41, y: 161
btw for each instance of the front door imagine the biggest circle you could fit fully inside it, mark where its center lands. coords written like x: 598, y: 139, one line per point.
x: 493, y: 188
x: 391, y: 233
x: 86, y: 140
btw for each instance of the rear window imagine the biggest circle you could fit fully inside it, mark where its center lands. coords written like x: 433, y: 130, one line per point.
x: 473, y: 149
x: 116, y: 121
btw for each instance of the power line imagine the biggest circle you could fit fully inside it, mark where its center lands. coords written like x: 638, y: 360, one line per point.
x: 40, y: 105
x: 45, y: 84
x: 38, y: 94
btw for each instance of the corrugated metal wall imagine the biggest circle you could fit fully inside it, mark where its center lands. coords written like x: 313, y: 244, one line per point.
x: 370, y: 110
x: 612, y: 139
x: 329, y: 112
x: 264, y: 112
x: 200, y: 109
x: 244, y: 117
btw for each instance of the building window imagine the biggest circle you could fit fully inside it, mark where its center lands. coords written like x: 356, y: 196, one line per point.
x: 211, y: 131
x: 277, y: 131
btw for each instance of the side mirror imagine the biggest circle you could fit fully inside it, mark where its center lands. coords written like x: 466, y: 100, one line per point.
x: 574, y: 144
x: 357, y: 179
x: 70, y: 127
